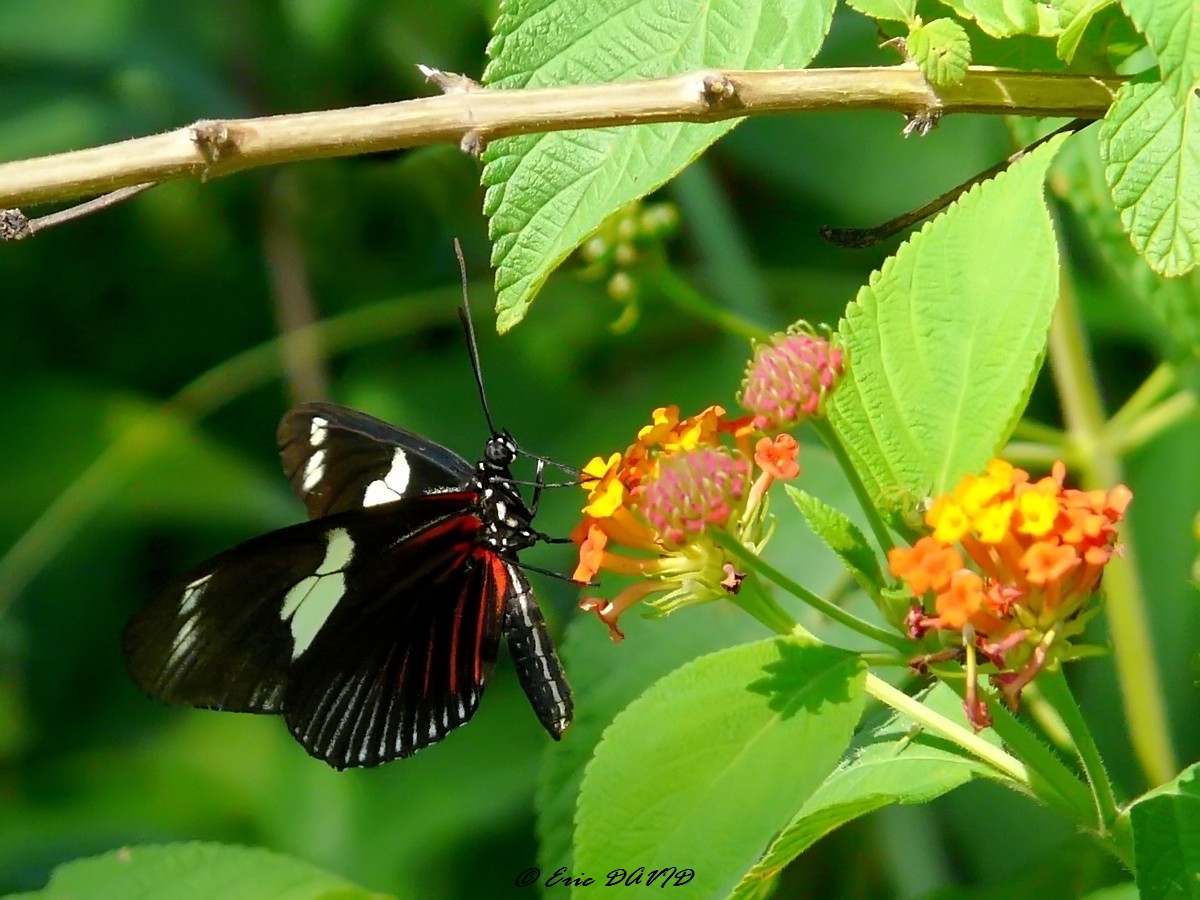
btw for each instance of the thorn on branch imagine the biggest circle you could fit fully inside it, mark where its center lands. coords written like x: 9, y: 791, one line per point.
x: 449, y: 82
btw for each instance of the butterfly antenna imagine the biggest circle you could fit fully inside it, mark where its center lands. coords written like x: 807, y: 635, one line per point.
x: 464, y: 316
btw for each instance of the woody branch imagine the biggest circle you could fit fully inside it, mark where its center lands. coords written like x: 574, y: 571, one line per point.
x: 471, y: 115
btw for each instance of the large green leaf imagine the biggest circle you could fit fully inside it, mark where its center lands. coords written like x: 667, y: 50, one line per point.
x: 890, y: 764
x: 945, y: 340
x: 1166, y: 838
x: 702, y: 770
x: 1150, y: 140
x: 547, y: 192
x: 200, y: 871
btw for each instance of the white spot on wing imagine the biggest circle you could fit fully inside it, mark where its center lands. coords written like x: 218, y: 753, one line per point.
x: 311, y: 600
x: 184, y: 641
x: 317, y: 431
x: 314, y: 470
x: 390, y: 487
x: 191, y: 595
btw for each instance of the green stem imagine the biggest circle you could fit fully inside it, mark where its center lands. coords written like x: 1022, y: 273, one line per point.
x: 1153, y: 389
x: 1037, y: 433
x: 1152, y: 423
x: 1040, y: 456
x: 831, y: 440
x: 1052, y: 781
x: 751, y: 562
x: 1133, y: 650
x: 752, y: 599
x: 676, y: 289
x: 1055, y: 689
x: 938, y: 724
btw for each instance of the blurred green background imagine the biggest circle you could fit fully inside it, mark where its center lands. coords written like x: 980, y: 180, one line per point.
x: 109, y: 485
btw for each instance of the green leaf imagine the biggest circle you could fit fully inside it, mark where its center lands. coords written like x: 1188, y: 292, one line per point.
x: 606, y: 677
x: 941, y: 50
x: 1005, y: 18
x: 547, y: 192
x: 946, y: 339
x: 1150, y: 144
x: 1172, y: 28
x: 1150, y: 140
x: 840, y: 534
x: 703, y: 769
x: 202, y: 871
x: 890, y: 764
x: 896, y: 10
x: 1174, y: 303
x: 1166, y: 838
x: 1079, y: 15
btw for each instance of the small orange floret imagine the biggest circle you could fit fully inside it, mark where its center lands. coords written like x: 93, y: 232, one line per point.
x: 591, y: 554
x: 1045, y: 562
x: 778, y: 457
x: 926, y: 566
x: 964, y: 599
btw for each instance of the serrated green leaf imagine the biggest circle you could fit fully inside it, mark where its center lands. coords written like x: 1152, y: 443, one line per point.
x: 1172, y: 28
x: 1005, y: 18
x: 1150, y: 144
x: 941, y: 50
x: 894, y: 10
x: 1173, y: 302
x: 702, y: 770
x: 1079, y: 14
x: 840, y: 534
x: 886, y: 765
x: 606, y: 678
x: 202, y: 871
x: 946, y: 339
x: 546, y: 193
x: 1166, y: 838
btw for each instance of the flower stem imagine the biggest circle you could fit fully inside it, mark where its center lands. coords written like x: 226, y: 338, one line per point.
x: 1133, y: 650
x: 676, y: 289
x: 748, y: 560
x: 831, y: 440
x: 943, y: 727
x: 1055, y: 689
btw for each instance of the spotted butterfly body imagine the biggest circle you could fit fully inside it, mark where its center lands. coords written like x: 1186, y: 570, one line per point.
x: 373, y: 627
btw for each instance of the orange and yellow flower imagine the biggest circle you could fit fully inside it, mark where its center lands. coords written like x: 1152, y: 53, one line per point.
x: 1038, y: 550
x: 679, y: 478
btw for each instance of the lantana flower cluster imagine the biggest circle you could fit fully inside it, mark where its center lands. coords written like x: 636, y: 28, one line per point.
x: 661, y: 499
x: 658, y: 498
x: 1011, y: 564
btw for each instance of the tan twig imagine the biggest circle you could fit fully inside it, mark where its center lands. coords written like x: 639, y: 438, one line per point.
x: 211, y: 148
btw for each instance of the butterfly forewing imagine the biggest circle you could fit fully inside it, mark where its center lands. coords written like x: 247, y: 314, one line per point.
x: 338, y: 459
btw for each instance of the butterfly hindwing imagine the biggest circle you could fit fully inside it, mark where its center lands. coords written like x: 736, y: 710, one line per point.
x: 338, y: 459
x: 363, y: 629
x: 359, y: 698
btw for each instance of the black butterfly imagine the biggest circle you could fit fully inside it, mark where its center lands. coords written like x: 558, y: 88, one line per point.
x: 372, y: 628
